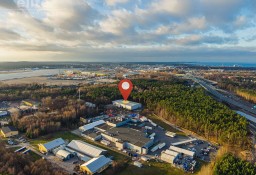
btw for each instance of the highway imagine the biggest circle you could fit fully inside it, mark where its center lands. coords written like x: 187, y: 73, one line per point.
x: 227, y: 99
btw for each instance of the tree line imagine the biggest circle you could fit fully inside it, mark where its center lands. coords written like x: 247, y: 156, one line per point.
x: 231, y: 165
x: 194, y: 110
x: 20, y: 164
x: 54, y: 114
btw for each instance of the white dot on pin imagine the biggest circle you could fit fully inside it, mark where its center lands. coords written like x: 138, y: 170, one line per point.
x: 125, y: 85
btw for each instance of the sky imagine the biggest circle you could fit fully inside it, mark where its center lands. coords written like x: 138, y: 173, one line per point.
x: 128, y: 30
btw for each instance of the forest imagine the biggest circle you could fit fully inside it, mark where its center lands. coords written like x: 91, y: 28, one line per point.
x: 193, y: 109
x: 53, y: 115
x: 231, y: 165
x: 174, y: 100
x: 17, y: 163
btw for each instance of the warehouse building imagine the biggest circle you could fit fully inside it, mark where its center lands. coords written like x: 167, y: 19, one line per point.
x: 127, y: 104
x: 96, y: 165
x: 117, y: 121
x: 168, y: 158
x: 91, y: 125
x: 128, y: 138
x: 103, y: 127
x: 9, y: 131
x: 83, y: 149
x: 50, y: 146
x: 92, y: 135
x: 184, y: 151
x: 64, y: 155
x: 3, y: 113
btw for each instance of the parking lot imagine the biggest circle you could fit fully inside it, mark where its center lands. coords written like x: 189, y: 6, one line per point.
x: 68, y: 165
x: 161, y: 137
x: 202, y: 149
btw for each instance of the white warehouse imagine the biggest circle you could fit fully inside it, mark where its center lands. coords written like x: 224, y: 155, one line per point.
x: 127, y: 104
x: 184, y: 151
x: 91, y: 125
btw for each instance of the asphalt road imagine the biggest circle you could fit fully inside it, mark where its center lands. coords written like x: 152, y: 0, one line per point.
x: 214, y: 91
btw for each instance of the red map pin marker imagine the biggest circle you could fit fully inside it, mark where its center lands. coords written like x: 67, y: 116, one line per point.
x: 125, y: 87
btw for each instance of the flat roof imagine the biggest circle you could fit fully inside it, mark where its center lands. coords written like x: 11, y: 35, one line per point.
x: 92, y: 125
x: 130, y: 135
x: 91, y: 133
x: 104, y: 127
x: 117, y: 119
x: 127, y: 103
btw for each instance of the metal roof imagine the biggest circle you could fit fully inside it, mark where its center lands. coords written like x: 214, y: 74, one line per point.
x: 91, y: 125
x: 168, y: 158
x: 96, y: 163
x: 170, y: 152
x: 85, y: 148
x: 130, y: 135
x: 63, y: 153
x: 54, y: 144
x: 3, y: 113
x: 127, y: 103
x: 184, y: 142
x: 180, y: 150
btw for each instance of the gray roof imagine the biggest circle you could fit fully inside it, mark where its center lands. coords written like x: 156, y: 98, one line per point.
x: 96, y: 163
x: 63, y: 153
x: 130, y: 135
x: 8, y: 129
x: 85, y: 148
x: 54, y: 144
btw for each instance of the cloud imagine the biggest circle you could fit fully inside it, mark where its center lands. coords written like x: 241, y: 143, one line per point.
x: 9, y: 4
x: 139, y: 29
x: 114, y: 2
x: 7, y: 35
x: 69, y: 15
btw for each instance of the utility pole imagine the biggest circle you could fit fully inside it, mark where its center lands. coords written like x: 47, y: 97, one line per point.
x: 79, y: 94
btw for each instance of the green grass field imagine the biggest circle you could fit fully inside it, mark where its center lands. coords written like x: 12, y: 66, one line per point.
x: 152, y: 168
x: 66, y: 135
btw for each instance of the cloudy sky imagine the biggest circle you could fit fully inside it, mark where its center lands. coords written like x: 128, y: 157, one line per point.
x: 128, y: 30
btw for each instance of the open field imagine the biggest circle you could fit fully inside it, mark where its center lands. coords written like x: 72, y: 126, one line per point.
x: 152, y: 168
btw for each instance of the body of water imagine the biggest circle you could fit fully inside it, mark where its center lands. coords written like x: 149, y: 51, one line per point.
x: 29, y: 73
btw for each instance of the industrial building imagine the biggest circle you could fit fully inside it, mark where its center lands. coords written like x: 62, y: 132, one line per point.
x: 64, y: 155
x: 92, y: 135
x: 9, y: 131
x: 3, y: 113
x: 169, y: 156
x: 50, y: 146
x: 127, y: 104
x: 184, y: 151
x: 128, y: 138
x: 82, y: 149
x: 117, y: 121
x: 91, y: 125
x: 96, y: 165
